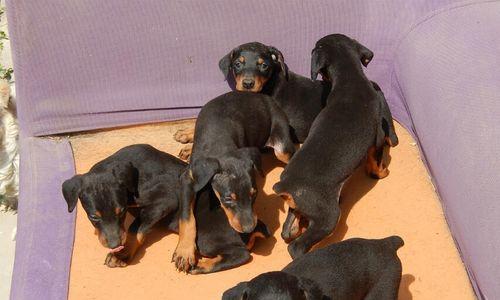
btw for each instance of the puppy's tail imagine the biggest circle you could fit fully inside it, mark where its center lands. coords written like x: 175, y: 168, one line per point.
x: 395, y: 241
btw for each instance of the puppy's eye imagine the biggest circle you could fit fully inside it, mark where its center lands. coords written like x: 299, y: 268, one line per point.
x: 237, y: 64
x: 264, y: 66
x: 94, y: 218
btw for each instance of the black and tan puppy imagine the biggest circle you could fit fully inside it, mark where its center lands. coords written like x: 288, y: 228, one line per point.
x: 349, y: 270
x: 230, y: 131
x: 258, y: 68
x: 145, y: 181
x: 355, y: 121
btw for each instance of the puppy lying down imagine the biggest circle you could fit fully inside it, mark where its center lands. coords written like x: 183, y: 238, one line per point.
x: 352, y: 269
x: 145, y: 182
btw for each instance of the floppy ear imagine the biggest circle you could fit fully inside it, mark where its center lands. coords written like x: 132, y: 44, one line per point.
x: 365, y: 54
x: 277, y: 57
x: 71, y: 191
x: 318, y: 62
x: 254, y: 155
x: 202, y: 170
x: 236, y: 293
x: 310, y: 289
x: 225, y: 63
x: 127, y: 176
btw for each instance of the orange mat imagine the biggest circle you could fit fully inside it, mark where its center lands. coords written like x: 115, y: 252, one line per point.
x: 404, y: 204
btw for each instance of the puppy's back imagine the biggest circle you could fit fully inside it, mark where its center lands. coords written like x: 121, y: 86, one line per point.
x: 351, y: 266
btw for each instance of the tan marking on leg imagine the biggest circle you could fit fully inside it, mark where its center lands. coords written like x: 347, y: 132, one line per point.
x: 184, y: 136
x: 206, y: 265
x: 134, y: 241
x: 372, y: 167
x: 289, y: 200
x: 284, y: 157
x: 253, y: 237
x: 184, y: 255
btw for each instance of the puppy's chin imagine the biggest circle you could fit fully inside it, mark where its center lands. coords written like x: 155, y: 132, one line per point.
x: 255, y: 89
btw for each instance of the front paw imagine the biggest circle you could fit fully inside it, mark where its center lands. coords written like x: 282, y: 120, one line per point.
x: 185, y: 152
x: 184, y: 258
x: 113, y: 261
x: 184, y: 136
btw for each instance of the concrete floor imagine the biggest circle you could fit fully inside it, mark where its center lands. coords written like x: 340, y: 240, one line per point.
x: 8, y: 223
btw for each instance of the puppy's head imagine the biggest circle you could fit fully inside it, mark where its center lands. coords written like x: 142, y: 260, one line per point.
x: 104, y: 197
x: 233, y: 181
x: 276, y: 286
x: 252, y: 65
x: 334, y: 50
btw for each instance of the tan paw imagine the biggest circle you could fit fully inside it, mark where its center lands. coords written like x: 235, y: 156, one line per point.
x: 185, y: 153
x: 113, y: 261
x: 184, y: 136
x: 184, y: 258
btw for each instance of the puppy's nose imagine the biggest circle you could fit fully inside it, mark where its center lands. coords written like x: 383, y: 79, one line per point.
x: 248, y: 83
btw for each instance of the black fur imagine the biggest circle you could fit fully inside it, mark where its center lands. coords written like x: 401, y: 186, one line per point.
x: 349, y: 270
x: 339, y: 139
x: 230, y: 130
x: 146, y: 180
x: 300, y: 98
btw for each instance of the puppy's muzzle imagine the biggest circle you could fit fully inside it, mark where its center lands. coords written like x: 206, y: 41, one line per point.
x: 248, y: 83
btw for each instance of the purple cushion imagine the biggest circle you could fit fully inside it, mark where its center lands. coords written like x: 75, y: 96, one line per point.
x: 93, y: 64
x: 447, y: 71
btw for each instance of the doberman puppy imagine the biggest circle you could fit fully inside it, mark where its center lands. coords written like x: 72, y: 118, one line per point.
x: 259, y: 68
x: 230, y: 130
x: 355, y: 121
x: 145, y: 181
x: 352, y: 269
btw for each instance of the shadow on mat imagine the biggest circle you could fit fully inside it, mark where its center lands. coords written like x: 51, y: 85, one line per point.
x: 356, y: 187
x: 268, y: 206
x: 404, y: 287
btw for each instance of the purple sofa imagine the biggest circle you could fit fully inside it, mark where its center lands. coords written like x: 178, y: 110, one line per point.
x: 92, y: 64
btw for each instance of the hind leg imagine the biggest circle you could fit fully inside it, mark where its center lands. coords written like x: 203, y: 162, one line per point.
x: 229, y: 259
x: 280, y: 138
x: 376, y: 162
x: 320, y: 226
x: 293, y: 226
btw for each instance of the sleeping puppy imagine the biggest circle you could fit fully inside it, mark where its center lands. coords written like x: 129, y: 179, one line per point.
x: 258, y: 68
x: 352, y: 269
x: 355, y: 121
x: 230, y: 131
x: 145, y: 182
